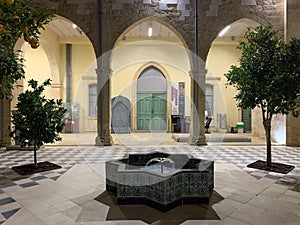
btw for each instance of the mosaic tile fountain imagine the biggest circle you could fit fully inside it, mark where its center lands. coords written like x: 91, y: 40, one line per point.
x: 162, y: 181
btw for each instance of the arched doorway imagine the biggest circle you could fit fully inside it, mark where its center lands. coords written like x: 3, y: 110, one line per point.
x: 224, y: 53
x: 67, y: 56
x: 164, y: 53
x: 151, y: 101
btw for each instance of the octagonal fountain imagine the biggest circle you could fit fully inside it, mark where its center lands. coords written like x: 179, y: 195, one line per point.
x: 162, y: 181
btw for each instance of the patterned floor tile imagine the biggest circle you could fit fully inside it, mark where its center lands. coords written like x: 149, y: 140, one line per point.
x: 67, y: 157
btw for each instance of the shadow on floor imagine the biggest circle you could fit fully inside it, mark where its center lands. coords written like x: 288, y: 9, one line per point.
x: 152, y: 216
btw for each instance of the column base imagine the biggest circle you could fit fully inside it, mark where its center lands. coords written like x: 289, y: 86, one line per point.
x: 197, y: 141
x: 103, y: 141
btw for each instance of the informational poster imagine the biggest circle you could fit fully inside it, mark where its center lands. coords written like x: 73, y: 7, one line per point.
x: 181, y: 101
x: 175, y: 98
x: 178, y: 98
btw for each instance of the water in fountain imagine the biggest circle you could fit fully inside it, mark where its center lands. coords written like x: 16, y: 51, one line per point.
x: 160, y: 165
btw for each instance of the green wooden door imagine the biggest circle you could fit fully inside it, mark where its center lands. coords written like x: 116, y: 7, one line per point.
x: 159, y: 111
x: 151, y: 112
x: 246, y: 118
x: 144, y: 111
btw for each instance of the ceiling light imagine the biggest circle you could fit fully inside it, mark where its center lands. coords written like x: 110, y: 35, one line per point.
x: 74, y: 25
x: 224, y: 31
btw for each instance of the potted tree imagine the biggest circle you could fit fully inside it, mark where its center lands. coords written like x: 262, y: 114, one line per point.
x: 37, y: 121
x: 268, y: 77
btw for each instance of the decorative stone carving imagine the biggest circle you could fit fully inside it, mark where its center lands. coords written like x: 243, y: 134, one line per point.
x: 121, y: 115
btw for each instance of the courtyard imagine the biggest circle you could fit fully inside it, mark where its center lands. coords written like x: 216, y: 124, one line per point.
x: 76, y: 195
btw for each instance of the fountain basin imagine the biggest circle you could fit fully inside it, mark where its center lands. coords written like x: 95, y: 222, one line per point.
x: 188, y: 180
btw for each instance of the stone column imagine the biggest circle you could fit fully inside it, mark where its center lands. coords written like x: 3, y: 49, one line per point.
x: 69, y: 79
x: 104, y: 106
x: 197, y: 129
x: 5, y: 140
x: 292, y: 29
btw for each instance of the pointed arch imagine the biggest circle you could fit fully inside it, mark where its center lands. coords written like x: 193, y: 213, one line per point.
x: 222, y: 54
x: 151, y: 103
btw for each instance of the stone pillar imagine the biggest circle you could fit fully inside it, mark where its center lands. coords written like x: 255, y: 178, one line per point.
x: 292, y: 131
x: 104, y: 106
x: 197, y: 129
x: 5, y: 140
x: 292, y: 29
x: 69, y: 79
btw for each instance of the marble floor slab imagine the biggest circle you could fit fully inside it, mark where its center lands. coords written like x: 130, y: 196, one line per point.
x: 76, y: 195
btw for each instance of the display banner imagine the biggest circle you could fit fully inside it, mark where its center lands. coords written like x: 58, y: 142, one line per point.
x: 178, y: 98
x: 181, y: 101
x: 175, y: 98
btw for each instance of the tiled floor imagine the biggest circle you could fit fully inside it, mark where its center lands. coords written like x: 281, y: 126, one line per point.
x: 67, y: 196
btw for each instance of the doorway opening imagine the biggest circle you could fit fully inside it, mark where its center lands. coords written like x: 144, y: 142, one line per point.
x: 151, y: 101
x: 246, y: 119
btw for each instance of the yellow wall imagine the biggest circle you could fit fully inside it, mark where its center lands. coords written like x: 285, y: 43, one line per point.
x: 49, y: 61
x: 49, y: 41
x: 219, y: 60
x: 44, y: 62
x: 129, y: 61
x: 82, y: 58
x: 37, y: 68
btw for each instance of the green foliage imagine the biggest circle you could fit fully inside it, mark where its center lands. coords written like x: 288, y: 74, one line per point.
x: 17, y: 19
x: 11, y: 69
x: 268, y: 76
x: 37, y: 120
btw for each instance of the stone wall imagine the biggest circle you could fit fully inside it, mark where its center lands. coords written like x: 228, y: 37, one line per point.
x: 84, y: 13
x: 213, y: 16
x: 292, y: 19
x: 293, y: 30
x: 278, y: 127
x: 292, y: 131
x: 178, y: 15
x: 6, y: 118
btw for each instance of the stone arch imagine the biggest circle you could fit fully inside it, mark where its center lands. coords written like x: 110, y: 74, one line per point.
x: 158, y: 65
x: 137, y: 74
x: 54, y: 68
x: 46, y: 42
x: 158, y: 20
x: 151, y: 100
x: 164, y: 23
x: 245, y: 13
x: 218, y: 67
x: 153, y: 64
x: 83, y: 13
x: 220, y: 26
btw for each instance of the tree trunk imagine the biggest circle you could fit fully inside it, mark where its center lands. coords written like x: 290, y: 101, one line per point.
x: 35, y: 157
x: 267, y: 126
